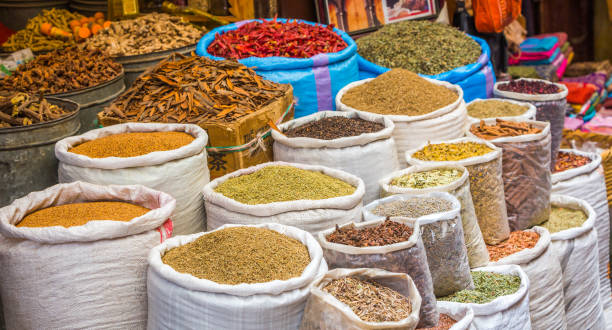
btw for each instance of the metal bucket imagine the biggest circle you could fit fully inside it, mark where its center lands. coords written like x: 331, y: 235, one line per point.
x: 27, y: 154
x: 15, y: 14
x: 88, y: 7
x: 135, y: 65
x: 93, y: 99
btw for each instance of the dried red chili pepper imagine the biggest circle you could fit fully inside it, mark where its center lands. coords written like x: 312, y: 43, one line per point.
x: 388, y: 232
x: 529, y: 87
x: 566, y: 161
x: 518, y: 241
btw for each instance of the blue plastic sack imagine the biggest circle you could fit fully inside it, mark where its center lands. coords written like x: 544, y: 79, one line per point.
x: 476, y: 79
x: 315, y: 80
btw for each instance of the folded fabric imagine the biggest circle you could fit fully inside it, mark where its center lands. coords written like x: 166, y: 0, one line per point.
x: 572, y: 123
x: 534, y: 56
x: 565, y: 47
x: 539, y: 44
x: 598, y: 79
x: 608, y: 103
x: 599, y: 124
x: 552, y: 58
x: 579, y: 93
x: 562, y: 67
x: 561, y: 36
x: 547, y: 72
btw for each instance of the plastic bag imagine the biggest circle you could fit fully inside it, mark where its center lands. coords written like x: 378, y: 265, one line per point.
x: 407, y: 257
x: 526, y: 175
x: 182, y: 172
x: 323, y: 311
x: 183, y: 301
x: 478, y: 255
x: 486, y: 186
x: 310, y: 215
x: 442, y: 236
x: 448, y: 122
x: 368, y: 156
x: 80, y: 277
x: 528, y: 115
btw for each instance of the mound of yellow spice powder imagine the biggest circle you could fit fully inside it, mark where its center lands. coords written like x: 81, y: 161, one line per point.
x: 78, y: 214
x: 451, y: 151
x: 240, y: 255
x: 132, y: 144
x: 281, y: 184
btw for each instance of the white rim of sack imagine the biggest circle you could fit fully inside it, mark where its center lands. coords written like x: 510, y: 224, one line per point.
x: 404, y: 118
x: 370, y: 273
x: 543, y: 125
x: 452, y: 309
x: 530, y: 113
x: 60, y: 194
x: 519, y: 257
x: 275, y: 287
x: 269, y: 209
x: 385, y: 183
x: 574, y: 172
x: 573, y: 203
x: 196, y: 147
x: 531, y: 97
x: 348, y: 249
x: 495, y: 153
x: 453, y: 213
x: 349, y: 141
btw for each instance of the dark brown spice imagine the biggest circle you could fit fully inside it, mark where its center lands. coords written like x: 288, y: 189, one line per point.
x: 330, y: 128
x: 22, y: 109
x: 503, y: 128
x: 388, y: 232
x: 445, y: 323
x: 529, y: 87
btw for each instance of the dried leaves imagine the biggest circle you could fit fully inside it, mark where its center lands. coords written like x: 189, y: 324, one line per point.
x: 21, y: 109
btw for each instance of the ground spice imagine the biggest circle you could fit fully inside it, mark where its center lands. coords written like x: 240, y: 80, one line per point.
x: 451, y: 151
x: 567, y: 161
x: 518, y: 241
x: 265, y: 38
x: 502, y: 128
x: 420, y: 46
x: 445, y: 323
x: 22, y: 109
x: 495, y: 108
x: 399, y: 92
x: 240, y: 255
x: 336, y: 127
x: 427, y: 179
x: 488, y: 286
x: 132, y: 144
x: 414, y: 207
x: 529, y: 87
x: 562, y: 218
x: 78, y: 214
x: 281, y: 184
x: 371, y: 301
x: 388, y: 232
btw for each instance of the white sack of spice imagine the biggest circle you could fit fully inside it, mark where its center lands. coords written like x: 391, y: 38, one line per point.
x: 478, y: 255
x: 546, y: 301
x: 47, y: 271
x: 464, y: 315
x: 527, y: 115
x: 575, y: 248
x: 324, y: 311
x: 310, y: 215
x: 449, y: 122
x: 587, y: 182
x: 173, y: 296
x: 486, y: 187
x: 181, y: 172
x: 442, y: 236
x: 407, y: 257
x: 368, y: 156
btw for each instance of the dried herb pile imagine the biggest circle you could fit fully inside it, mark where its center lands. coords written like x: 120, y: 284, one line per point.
x: 427, y: 179
x: 445, y: 323
x: 399, y: 92
x: 451, y: 151
x: 62, y: 71
x: 414, y: 207
x: 388, y: 232
x: 488, y: 286
x: 567, y: 161
x: 150, y: 33
x: 281, y: 184
x: 371, y: 301
x: 503, y: 128
x: 336, y: 127
x: 265, y: 38
x: 132, y: 144
x: 22, y: 109
x: 529, y: 87
x: 420, y: 46
x: 562, y: 218
x: 240, y: 255
x: 495, y: 108
x: 78, y: 214
x: 195, y: 90
x: 518, y: 241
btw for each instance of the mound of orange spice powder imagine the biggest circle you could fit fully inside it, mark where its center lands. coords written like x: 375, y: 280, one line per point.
x: 518, y: 241
x: 132, y: 144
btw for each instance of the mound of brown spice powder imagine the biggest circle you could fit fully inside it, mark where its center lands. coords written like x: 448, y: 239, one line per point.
x: 132, y: 144
x: 388, y: 232
x: 78, y: 214
x: 240, y: 255
x: 518, y: 241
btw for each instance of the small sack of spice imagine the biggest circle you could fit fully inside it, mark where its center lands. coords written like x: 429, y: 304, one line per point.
x: 394, y: 245
x: 525, y: 167
x: 453, y: 317
x: 483, y: 161
x: 439, y: 218
x: 362, y: 298
x: 480, y: 109
x: 423, y: 179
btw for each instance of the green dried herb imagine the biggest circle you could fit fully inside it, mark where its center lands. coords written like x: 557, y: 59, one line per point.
x: 495, y: 108
x: 413, y: 207
x: 427, y: 179
x: 562, y: 218
x: 488, y: 286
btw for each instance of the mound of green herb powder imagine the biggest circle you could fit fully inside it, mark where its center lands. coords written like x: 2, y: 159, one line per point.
x: 487, y: 287
x: 562, y: 218
x: 420, y: 46
x: 281, y: 184
x: 427, y: 179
